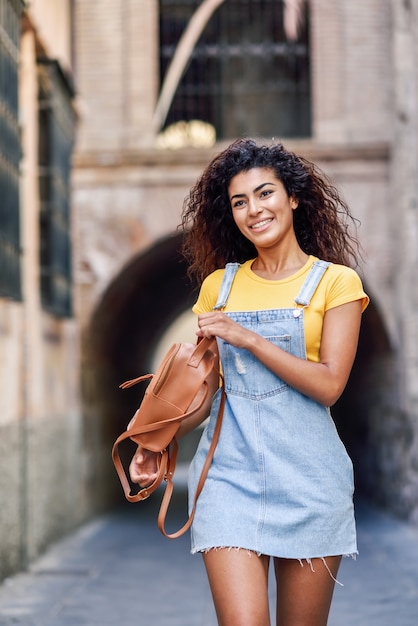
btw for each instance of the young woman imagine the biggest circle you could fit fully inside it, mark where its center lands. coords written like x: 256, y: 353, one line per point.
x: 280, y: 487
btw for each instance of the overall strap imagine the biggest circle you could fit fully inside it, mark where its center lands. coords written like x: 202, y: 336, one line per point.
x: 228, y: 278
x: 312, y: 281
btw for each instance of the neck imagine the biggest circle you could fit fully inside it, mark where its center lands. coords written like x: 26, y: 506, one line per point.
x: 273, y: 267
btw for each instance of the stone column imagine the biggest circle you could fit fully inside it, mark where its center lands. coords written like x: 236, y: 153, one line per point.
x: 405, y: 224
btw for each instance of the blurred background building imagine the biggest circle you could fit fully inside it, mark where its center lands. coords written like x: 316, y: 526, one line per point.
x: 108, y: 113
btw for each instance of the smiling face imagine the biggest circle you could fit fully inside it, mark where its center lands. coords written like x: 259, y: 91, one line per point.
x: 261, y: 208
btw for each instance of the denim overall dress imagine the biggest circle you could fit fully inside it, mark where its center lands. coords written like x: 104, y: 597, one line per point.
x: 281, y: 481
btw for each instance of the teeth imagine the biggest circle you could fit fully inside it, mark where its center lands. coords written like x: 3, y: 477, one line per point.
x: 260, y: 224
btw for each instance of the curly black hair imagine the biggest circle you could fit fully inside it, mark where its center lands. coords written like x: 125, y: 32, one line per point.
x: 321, y: 220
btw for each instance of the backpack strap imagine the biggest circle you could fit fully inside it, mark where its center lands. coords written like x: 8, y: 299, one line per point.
x: 312, y: 281
x: 170, y: 471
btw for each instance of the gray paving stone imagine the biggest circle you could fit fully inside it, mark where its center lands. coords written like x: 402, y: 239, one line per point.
x: 381, y: 587
x: 119, y: 569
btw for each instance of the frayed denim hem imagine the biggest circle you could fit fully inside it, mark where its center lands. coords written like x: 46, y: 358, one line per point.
x: 250, y: 553
x: 229, y: 548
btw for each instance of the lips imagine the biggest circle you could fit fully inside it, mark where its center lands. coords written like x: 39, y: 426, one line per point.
x: 261, y: 224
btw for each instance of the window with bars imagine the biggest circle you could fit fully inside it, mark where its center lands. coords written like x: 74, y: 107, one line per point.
x: 56, y: 139
x: 244, y: 76
x: 10, y: 149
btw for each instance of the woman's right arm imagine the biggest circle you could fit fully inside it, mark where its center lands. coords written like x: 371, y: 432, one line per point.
x: 143, y: 467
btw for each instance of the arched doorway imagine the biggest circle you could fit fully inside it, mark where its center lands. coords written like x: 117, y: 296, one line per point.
x: 365, y: 414
x: 148, y: 295
x: 151, y: 293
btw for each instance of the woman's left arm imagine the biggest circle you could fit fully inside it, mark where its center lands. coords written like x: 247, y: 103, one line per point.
x: 323, y: 381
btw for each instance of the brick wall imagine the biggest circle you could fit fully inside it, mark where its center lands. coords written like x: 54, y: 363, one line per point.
x: 116, y: 69
x: 351, y: 70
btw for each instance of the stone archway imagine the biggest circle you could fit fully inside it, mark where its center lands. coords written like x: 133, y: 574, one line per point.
x: 138, y: 306
x: 365, y: 414
x: 148, y: 294
x: 151, y: 292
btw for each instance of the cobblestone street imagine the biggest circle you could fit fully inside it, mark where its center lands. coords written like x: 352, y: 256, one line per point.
x: 118, y: 569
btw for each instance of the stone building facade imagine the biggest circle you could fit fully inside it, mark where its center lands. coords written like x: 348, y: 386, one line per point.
x: 60, y: 368
x: 41, y: 476
x: 128, y: 195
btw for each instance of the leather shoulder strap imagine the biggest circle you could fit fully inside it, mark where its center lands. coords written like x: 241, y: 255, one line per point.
x: 170, y: 471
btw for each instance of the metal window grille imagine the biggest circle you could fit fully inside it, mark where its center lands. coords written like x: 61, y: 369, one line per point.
x: 244, y: 76
x: 10, y: 150
x: 56, y: 139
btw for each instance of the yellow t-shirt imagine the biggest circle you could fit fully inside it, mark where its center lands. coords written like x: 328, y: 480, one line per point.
x: 339, y: 285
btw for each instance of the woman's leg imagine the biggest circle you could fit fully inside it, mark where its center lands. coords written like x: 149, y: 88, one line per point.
x: 239, y: 583
x: 304, y: 593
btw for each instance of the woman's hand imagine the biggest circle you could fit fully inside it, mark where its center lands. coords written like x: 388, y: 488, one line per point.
x: 217, y: 324
x: 323, y: 381
x: 143, y: 467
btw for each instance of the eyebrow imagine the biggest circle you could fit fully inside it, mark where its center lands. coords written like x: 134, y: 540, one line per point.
x: 241, y: 195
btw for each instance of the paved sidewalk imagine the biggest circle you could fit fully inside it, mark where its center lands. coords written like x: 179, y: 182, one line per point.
x: 118, y: 569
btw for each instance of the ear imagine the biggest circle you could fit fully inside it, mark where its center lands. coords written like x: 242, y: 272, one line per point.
x: 294, y: 203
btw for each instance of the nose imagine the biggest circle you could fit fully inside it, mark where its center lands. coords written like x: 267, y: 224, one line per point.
x: 254, y: 207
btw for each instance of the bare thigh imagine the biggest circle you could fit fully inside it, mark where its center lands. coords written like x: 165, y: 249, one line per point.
x: 304, y: 593
x: 239, y: 584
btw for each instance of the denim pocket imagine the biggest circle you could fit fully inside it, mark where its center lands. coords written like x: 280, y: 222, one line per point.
x: 246, y: 376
